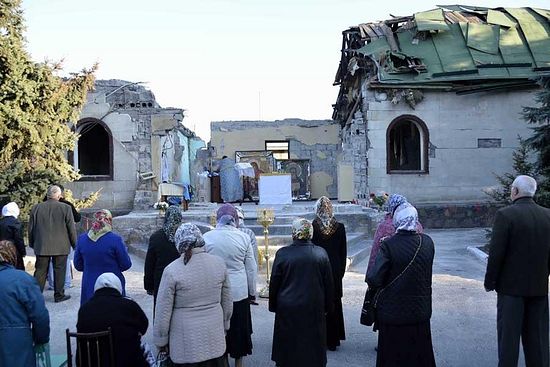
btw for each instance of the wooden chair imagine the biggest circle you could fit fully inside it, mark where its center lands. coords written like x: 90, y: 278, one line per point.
x: 91, y: 349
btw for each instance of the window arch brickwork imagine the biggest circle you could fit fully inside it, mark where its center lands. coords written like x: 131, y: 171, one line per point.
x: 407, y: 140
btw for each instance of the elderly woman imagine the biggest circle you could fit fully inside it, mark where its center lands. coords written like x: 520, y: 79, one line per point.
x: 234, y: 247
x: 300, y: 294
x: 10, y: 229
x: 386, y: 228
x: 100, y: 251
x: 403, y: 274
x: 24, y: 319
x: 194, y: 304
x: 331, y: 235
x: 108, y: 308
x: 161, y: 251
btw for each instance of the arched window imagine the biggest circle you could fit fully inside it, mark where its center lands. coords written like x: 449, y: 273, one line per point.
x: 93, y: 155
x: 407, y: 145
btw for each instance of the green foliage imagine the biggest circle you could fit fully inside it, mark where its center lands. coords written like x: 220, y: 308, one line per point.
x: 35, y: 106
x: 540, y: 140
x: 82, y: 203
x: 521, y: 165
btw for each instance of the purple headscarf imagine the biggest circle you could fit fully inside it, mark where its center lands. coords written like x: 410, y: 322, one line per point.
x: 227, y: 215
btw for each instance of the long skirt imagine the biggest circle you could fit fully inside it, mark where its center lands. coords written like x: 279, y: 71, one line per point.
x: 335, y: 325
x: 405, y: 345
x: 215, y: 362
x: 239, y: 335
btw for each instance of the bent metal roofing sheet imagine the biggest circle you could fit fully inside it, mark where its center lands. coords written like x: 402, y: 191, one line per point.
x: 459, y: 43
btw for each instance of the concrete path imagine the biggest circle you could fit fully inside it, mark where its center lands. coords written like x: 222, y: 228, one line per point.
x: 463, y: 322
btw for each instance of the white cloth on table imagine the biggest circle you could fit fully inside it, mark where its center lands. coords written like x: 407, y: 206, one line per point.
x: 245, y: 170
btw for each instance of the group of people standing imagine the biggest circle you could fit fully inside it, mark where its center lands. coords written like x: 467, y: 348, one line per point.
x: 204, y: 285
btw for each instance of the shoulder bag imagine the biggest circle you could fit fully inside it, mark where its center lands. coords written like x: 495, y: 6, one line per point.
x: 368, y: 312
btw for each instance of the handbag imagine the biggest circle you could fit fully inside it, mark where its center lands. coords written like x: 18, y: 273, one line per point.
x: 368, y: 312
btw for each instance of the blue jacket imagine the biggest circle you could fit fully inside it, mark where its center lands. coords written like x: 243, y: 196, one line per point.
x: 107, y: 255
x: 24, y: 319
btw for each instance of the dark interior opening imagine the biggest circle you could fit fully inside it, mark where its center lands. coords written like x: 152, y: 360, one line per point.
x: 93, y: 150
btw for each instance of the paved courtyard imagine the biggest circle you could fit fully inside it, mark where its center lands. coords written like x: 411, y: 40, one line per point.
x: 463, y: 322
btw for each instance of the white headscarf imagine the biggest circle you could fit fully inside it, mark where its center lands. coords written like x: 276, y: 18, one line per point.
x: 10, y: 210
x: 405, y: 218
x: 108, y: 280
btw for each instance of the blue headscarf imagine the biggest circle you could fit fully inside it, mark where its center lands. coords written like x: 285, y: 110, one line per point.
x: 393, y: 202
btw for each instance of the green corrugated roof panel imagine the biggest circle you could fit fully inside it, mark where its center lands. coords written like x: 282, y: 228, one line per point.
x: 483, y: 37
x: 452, y: 51
x: 500, y: 18
x: 375, y: 47
x: 536, y: 33
x: 424, y: 50
x: 543, y: 12
x: 431, y: 20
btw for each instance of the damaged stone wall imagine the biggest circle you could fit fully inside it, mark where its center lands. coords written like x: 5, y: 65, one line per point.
x: 128, y: 109
x: 459, y: 168
x: 316, y: 140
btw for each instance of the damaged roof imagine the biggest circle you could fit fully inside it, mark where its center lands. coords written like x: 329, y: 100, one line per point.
x: 455, y: 47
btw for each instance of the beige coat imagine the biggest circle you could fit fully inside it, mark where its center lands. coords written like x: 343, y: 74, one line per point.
x: 193, y: 309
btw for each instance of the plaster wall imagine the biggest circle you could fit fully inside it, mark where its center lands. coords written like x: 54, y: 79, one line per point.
x: 459, y: 171
x: 316, y: 140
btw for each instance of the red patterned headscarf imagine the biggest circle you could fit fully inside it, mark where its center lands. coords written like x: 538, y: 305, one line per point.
x: 102, y: 224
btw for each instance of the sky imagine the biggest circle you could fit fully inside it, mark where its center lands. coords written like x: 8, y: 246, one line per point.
x: 219, y: 60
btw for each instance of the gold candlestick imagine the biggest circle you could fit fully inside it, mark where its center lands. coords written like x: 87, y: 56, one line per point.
x: 213, y: 218
x: 266, y: 218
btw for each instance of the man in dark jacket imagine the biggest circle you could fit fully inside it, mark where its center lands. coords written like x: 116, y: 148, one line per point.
x: 518, y: 269
x: 301, y: 292
x: 51, y: 234
x: 109, y: 309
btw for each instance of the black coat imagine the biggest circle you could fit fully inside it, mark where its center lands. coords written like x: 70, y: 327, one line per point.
x: 108, y: 308
x: 160, y: 253
x: 519, y: 257
x: 300, y: 293
x: 409, y: 299
x: 336, y: 247
x: 10, y: 229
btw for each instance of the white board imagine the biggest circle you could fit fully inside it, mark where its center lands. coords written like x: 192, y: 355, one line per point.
x: 275, y: 189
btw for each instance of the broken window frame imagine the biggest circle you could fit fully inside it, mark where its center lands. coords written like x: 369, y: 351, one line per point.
x: 277, y: 153
x: 73, y: 156
x: 423, y: 146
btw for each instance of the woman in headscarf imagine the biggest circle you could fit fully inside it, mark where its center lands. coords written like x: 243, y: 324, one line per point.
x: 100, y: 251
x: 24, y: 319
x: 403, y: 274
x: 234, y: 247
x: 301, y: 292
x: 10, y: 229
x: 331, y: 235
x: 107, y: 308
x: 194, y: 304
x: 386, y: 229
x: 161, y: 251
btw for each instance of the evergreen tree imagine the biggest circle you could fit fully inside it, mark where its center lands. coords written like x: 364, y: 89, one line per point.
x: 521, y: 165
x: 540, y: 140
x: 36, y: 105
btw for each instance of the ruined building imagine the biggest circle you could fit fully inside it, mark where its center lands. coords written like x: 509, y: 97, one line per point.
x: 128, y: 145
x: 430, y: 104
